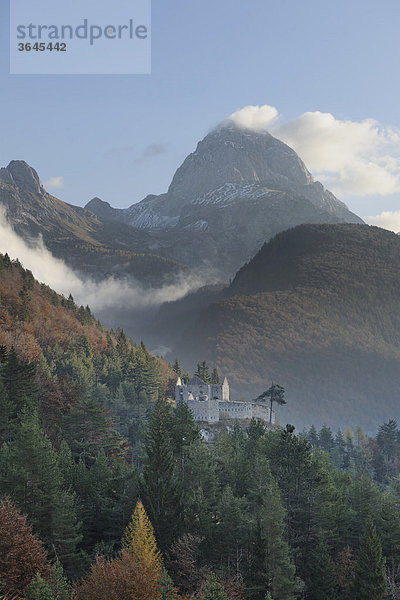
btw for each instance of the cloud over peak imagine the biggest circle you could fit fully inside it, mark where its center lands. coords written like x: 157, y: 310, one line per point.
x: 352, y: 158
x: 255, y: 118
x: 55, y: 182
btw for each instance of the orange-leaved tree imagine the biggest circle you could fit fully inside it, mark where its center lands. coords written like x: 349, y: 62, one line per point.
x: 124, y: 578
x: 22, y: 555
x: 139, y: 539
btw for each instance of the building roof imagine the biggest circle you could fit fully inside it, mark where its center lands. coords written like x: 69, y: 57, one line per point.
x: 196, y: 381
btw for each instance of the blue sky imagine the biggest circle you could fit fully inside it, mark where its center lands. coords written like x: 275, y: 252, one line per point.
x: 122, y: 137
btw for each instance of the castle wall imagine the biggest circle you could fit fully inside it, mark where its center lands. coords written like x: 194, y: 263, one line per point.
x: 204, y: 410
x: 235, y: 410
x: 262, y: 411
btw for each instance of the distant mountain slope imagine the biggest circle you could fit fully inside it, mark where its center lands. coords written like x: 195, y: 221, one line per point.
x: 77, y: 235
x: 238, y: 189
x: 317, y: 310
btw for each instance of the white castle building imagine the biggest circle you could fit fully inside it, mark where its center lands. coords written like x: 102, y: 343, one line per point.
x: 210, y: 403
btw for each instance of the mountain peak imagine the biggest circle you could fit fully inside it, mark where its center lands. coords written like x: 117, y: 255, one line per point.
x: 97, y: 202
x: 22, y: 176
x: 231, y: 154
x: 102, y: 209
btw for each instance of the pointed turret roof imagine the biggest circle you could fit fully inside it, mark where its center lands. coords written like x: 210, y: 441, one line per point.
x: 179, y: 382
x: 225, y: 381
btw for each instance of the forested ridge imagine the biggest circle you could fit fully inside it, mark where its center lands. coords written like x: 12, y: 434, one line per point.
x: 318, y: 310
x: 108, y: 492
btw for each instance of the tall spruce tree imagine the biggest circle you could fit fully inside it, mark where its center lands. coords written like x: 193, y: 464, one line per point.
x: 215, y: 376
x: 184, y: 430
x: 230, y: 543
x: 271, y: 566
x: 203, y: 372
x: 19, y: 380
x: 39, y: 589
x: 159, y: 486
x: 35, y: 481
x: 322, y: 581
x: 370, y: 575
x: 213, y: 590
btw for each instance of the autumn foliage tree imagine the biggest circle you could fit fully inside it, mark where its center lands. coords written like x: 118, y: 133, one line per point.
x: 22, y: 555
x: 122, y: 578
x: 139, y: 539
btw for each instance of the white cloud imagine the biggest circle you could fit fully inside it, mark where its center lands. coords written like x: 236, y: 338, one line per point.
x: 109, y: 293
x: 55, y: 182
x: 387, y: 220
x: 357, y: 158
x: 256, y: 118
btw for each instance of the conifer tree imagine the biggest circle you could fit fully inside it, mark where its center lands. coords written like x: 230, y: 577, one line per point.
x: 233, y: 527
x: 202, y: 372
x: 59, y: 584
x: 184, y: 430
x: 66, y: 530
x: 215, y: 376
x: 370, y: 576
x: 6, y: 414
x: 313, y: 436
x: 160, y: 489
x: 213, y: 590
x: 388, y: 525
x: 271, y: 566
x: 25, y: 313
x: 139, y: 538
x: 276, y: 394
x: 18, y: 377
x: 321, y: 575
x: 325, y: 439
x: 39, y: 589
x: 34, y: 479
x: 7, y: 261
x: 166, y: 588
x: 176, y: 367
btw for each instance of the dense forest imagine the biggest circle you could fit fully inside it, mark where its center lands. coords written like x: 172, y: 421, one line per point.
x: 107, y: 491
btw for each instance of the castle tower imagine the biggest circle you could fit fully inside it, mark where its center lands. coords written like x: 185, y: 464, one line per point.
x: 225, y: 390
x: 180, y: 394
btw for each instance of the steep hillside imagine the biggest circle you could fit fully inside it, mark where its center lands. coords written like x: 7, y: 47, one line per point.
x: 74, y: 355
x: 317, y: 310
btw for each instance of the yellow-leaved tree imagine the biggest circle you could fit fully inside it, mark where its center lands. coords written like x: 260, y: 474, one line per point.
x: 139, y: 539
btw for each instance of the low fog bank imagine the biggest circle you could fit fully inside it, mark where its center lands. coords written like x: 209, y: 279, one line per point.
x: 116, y: 302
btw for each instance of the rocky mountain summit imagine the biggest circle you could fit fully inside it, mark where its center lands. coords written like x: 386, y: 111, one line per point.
x: 237, y: 190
